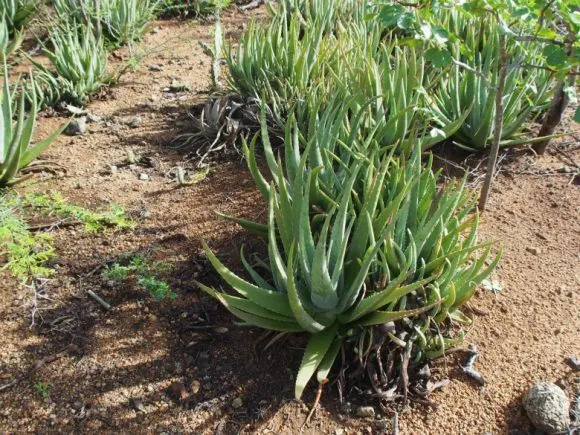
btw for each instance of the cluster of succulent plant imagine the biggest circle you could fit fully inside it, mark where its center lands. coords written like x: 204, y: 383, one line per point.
x: 303, y: 55
x: 358, y: 236
x: 186, y: 8
x: 78, y: 65
x: 14, y: 15
x: 122, y: 21
x: 471, y: 86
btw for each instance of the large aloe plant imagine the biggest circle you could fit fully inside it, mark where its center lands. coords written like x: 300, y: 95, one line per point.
x: 355, y: 241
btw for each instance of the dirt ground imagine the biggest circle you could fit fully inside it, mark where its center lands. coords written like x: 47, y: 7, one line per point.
x: 140, y: 348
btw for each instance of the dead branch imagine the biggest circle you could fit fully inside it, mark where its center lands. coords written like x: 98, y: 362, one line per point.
x: 71, y: 348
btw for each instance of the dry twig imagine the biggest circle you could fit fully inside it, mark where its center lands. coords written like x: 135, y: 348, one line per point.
x: 71, y: 348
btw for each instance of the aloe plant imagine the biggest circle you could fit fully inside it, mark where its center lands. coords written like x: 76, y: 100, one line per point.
x: 356, y: 238
x: 4, y: 36
x: 473, y: 89
x: 79, y: 58
x: 17, y: 13
x: 125, y: 21
x: 16, y: 151
x: 122, y: 21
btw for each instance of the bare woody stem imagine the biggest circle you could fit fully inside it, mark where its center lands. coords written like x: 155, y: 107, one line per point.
x: 498, y: 124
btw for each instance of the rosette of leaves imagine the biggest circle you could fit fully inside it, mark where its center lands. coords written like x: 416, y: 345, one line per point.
x: 282, y: 64
x: 17, y: 13
x: 378, y: 244
x: 471, y: 86
x: 122, y: 21
x: 79, y: 59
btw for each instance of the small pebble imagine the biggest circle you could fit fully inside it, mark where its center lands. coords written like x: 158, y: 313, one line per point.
x: 195, y: 386
x: 77, y: 127
x: 237, y: 403
x: 137, y: 404
x: 533, y: 250
x: 365, y: 412
x: 135, y: 122
x: 177, y: 391
x: 144, y: 177
x: 154, y: 67
x: 221, y: 330
x: 94, y: 118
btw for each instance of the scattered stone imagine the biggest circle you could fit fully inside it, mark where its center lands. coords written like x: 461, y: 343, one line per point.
x: 155, y: 30
x: 203, y: 355
x: 221, y: 330
x: 237, y: 403
x: 547, y: 407
x: 339, y: 431
x: 113, y: 169
x: 179, y: 87
x: 533, y: 250
x: 382, y: 424
x: 365, y: 412
x: 150, y: 388
x: 144, y: 177
x: 346, y: 408
x: 137, y: 404
x: 177, y: 391
x: 92, y: 118
x: 195, y: 387
x: 154, y: 67
x: 135, y: 122
x: 573, y: 362
x: 77, y: 127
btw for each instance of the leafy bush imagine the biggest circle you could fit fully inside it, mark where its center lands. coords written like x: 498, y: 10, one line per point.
x: 146, y: 274
x: 25, y: 253
x: 15, y: 136
x: 79, y: 58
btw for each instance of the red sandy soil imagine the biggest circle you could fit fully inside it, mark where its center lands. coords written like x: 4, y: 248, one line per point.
x: 138, y: 349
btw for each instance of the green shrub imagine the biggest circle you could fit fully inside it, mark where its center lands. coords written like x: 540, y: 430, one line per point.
x: 146, y: 274
x: 17, y: 13
x: 191, y: 7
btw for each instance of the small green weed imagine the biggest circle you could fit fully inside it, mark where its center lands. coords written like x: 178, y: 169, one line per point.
x: 43, y: 388
x: 147, y: 275
x: 25, y: 253
x: 56, y: 204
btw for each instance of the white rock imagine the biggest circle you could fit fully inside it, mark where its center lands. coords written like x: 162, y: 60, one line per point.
x: 547, y: 407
